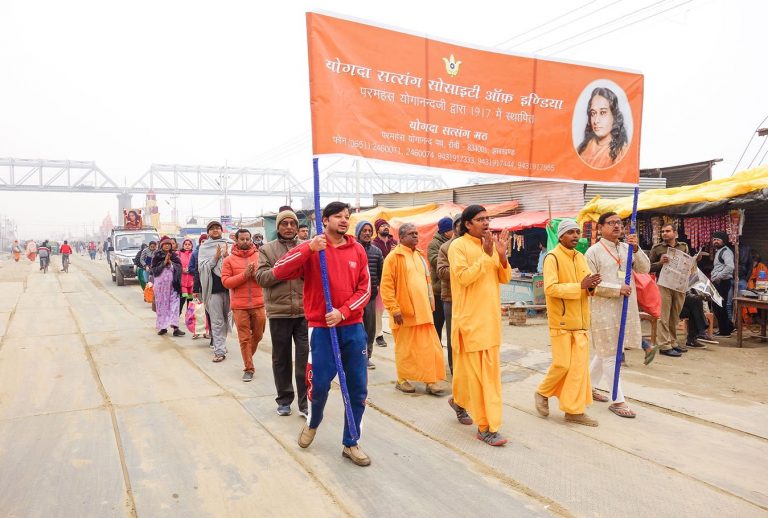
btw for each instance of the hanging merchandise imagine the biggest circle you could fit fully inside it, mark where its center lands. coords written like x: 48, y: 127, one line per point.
x: 641, y: 233
x: 699, y: 229
x: 518, y: 242
x: 655, y: 230
x: 734, y: 224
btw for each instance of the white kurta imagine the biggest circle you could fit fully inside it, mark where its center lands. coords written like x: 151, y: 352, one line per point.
x: 606, y: 304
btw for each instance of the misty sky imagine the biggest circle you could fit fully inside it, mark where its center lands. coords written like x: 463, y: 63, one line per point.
x: 132, y: 83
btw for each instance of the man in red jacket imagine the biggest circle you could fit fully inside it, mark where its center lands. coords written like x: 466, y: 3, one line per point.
x: 66, y: 251
x: 350, y: 289
x: 238, y: 275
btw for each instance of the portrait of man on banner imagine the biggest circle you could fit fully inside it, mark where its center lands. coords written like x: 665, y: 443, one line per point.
x: 132, y: 219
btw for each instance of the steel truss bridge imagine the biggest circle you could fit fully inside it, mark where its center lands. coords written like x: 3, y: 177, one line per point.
x: 177, y: 179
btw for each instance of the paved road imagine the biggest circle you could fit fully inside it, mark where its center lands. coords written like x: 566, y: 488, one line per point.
x: 99, y: 416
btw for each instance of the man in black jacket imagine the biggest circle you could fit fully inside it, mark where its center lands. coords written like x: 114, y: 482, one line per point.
x: 364, y: 234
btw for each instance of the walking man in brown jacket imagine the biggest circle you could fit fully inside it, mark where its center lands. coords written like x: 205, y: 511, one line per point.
x: 284, y: 301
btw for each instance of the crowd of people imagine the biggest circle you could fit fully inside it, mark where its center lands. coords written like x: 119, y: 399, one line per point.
x: 43, y: 252
x: 244, y: 283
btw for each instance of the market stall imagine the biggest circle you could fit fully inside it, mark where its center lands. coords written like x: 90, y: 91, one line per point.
x: 697, y: 210
x: 529, y: 235
x: 725, y: 205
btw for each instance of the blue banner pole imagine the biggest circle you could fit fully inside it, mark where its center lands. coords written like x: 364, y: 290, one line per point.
x: 627, y: 280
x: 329, y: 307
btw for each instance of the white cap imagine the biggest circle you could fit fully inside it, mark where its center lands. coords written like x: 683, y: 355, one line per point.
x: 566, y: 225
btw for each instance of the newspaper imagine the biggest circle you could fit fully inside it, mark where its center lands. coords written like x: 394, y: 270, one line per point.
x: 701, y: 284
x: 676, y: 274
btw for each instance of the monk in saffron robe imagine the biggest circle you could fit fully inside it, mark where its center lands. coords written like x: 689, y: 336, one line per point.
x: 407, y: 295
x: 568, y: 284
x: 478, y: 264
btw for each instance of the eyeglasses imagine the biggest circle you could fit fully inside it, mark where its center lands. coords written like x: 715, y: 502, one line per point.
x: 614, y: 223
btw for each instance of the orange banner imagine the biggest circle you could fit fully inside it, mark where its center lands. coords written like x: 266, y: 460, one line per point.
x: 388, y: 95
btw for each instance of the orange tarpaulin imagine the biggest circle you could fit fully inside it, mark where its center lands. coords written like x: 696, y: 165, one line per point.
x: 426, y: 218
x: 389, y: 95
x: 523, y: 220
x: 426, y: 222
x: 371, y: 215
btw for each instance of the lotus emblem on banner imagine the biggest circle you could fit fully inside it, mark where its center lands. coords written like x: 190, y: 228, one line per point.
x: 452, y: 66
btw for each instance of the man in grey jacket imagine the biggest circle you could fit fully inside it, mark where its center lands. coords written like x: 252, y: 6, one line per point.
x: 722, y: 278
x: 284, y: 301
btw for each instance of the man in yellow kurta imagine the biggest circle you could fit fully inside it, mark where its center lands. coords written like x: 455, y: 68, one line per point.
x: 567, y: 286
x: 478, y: 263
x: 407, y: 295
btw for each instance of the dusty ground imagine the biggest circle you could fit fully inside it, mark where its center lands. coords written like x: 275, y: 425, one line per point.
x: 723, y: 372
x: 99, y: 416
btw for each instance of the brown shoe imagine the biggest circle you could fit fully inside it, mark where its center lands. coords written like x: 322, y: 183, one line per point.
x: 436, y: 389
x: 405, y: 387
x: 306, y: 436
x: 542, y: 404
x: 461, y: 412
x: 356, y: 455
x: 580, y: 419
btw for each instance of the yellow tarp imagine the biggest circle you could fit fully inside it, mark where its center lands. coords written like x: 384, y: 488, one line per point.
x: 715, y: 190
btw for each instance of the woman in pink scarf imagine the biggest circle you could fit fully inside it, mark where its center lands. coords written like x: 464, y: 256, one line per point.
x: 187, y: 278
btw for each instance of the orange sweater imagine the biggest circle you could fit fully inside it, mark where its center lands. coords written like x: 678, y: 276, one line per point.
x: 244, y: 293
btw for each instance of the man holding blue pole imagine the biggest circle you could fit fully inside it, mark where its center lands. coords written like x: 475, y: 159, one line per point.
x: 350, y: 291
x: 608, y: 258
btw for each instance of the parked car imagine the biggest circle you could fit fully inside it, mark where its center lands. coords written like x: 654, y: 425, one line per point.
x: 124, y: 245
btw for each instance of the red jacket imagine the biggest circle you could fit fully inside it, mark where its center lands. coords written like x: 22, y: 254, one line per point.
x: 65, y: 249
x: 347, y: 273
x: 244, y: 293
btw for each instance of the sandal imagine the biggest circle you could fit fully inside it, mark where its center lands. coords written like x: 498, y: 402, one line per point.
x: 622, y: 411
x: 217, y: 359
x: 599, y: 396
x: 650, y: 354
